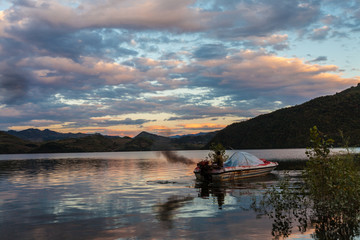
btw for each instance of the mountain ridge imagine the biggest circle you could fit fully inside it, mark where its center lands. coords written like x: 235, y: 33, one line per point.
x: 289, y: 127
x: 37, y: 135
x: 283, y: 128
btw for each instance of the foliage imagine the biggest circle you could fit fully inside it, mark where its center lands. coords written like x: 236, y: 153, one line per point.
x: 328, y: 198
x: 214, y: 148
x: 286, y: 205
x: 332, y: 181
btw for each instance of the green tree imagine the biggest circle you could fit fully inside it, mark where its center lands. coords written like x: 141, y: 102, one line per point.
x: 328, y: 198
x: 214, y: 148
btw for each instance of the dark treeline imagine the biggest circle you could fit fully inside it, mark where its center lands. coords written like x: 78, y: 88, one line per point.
x: 289, y: 127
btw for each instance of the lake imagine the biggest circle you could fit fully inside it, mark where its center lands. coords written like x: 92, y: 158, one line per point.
x: 130, y: 195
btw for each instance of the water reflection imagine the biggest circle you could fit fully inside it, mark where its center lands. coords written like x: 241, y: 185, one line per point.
x: 217, y: 192
x: 166, y: 211
x: 117, y: 199
x: 288, y: 205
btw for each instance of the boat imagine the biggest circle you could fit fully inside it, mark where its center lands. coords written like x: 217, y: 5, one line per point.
x: 240, y: 165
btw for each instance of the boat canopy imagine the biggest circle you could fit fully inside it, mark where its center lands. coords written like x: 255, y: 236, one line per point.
x: 242, y: 159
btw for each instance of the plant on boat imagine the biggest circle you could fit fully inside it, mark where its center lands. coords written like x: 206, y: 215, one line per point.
x: 214, y: 148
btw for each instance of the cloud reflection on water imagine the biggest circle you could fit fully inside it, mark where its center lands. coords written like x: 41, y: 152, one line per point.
x: 145, y: 198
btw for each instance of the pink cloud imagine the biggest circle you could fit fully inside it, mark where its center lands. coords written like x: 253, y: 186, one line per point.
x: 256, y: 70
x: 153, y: 14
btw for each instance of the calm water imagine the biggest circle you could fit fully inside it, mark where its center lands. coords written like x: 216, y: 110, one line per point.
x: 137, y: 195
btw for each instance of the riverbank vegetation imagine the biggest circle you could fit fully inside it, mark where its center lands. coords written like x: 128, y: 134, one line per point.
x: 327, y: 200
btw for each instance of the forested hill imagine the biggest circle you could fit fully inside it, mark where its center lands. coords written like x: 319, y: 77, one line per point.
x: 289, y: 127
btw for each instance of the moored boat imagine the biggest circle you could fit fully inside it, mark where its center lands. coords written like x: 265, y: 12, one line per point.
x: 240, y: 165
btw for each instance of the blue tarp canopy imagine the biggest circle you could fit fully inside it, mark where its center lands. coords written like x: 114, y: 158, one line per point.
x: 242, y: 159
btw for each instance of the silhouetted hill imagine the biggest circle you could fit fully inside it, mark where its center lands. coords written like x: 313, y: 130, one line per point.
x: 149, y: 141
x: 36, y: 135
x: 92, y: 143
x: 193, y: 141
x: 95, y: 142
x: 284, y: 128
x: 289, y: 127
x: 11, y: 144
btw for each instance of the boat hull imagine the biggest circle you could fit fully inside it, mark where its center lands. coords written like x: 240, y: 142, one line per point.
x: 231, y: 174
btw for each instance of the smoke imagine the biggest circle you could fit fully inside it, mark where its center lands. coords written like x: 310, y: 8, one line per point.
x: 173, y: 157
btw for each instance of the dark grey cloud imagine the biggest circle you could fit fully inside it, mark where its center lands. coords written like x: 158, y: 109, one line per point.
x: 12, y: 51
x: 261, y: 18
x: 13, y: 87
x: 127, y: 121
x: 320, y: 33
x: 24, y: 3
x: 210, y: 51
x: 319, y: 59
x: 65, y: 42
x: 187, y: 117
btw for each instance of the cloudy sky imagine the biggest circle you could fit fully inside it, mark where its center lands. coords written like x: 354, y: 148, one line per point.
x: 119, y: 67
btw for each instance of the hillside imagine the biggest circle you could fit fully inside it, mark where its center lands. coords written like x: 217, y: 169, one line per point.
x: 284, y: 128
x: 36, y: 135
x: 11, y: 144
x: 94, y: 142
x: 149, y: 141
x: 289, y: 127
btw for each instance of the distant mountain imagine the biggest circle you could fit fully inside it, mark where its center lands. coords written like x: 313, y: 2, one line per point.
x: 149, y: 141
x: 36, y: 135
x: 289, y: 127
x: 193, y: 141
x: 93, y: 142
x: 190, y: 135
x: 284, y: 128
x: 151, y: 136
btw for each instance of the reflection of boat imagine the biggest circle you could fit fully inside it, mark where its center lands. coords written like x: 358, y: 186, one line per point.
x: 239, y: 166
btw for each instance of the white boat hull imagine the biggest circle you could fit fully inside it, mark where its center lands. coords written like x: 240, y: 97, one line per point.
x: 234, y: 173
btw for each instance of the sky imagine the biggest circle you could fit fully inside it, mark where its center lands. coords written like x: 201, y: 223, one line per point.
x: 169, y: 67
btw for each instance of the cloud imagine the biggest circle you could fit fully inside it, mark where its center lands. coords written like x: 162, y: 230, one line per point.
x: 111, y: 122
x: 209, y: 51
x: 13, y: 87
x: 223, y: 19
x: 320, y: 33
x: 143, y: 14
x: 264, y: 17
x: 66, y: 72
x: 319, y: 59
x: 247, y: 72
x: 245, y: 84
x: 202, y: 126
x: 73, y: 62
x: 276, y: 41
